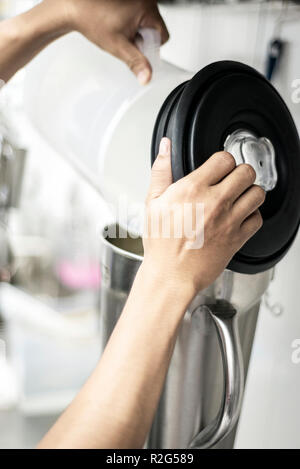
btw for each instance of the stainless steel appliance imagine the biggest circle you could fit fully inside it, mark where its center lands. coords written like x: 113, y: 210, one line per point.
x: 203, y: 391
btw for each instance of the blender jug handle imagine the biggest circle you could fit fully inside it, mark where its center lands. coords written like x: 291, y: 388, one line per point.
x: 225, y: 320
x: 149, y: 44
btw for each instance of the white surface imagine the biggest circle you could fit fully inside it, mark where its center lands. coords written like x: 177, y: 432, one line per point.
x: 271, y: 413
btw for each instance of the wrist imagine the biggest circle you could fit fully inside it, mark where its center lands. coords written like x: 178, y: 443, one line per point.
x: 175, y: 285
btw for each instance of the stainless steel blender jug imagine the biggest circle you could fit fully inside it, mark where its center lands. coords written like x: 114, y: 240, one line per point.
x: 228, y: 106
x: 214, y: 342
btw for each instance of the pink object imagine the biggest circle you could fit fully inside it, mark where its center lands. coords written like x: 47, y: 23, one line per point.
x: 79, y: 275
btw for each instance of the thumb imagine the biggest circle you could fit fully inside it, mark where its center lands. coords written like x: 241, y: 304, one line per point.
x: 136, y: 61
x: 161, y: 176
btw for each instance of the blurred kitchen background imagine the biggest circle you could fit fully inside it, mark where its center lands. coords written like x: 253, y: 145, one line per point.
x: 50, y: 221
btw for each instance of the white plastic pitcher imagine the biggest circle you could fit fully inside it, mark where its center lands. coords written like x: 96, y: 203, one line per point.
x: 91, y: 109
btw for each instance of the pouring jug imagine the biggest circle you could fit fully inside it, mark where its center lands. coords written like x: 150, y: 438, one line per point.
x: 91, y: 109
x: 203, y: 392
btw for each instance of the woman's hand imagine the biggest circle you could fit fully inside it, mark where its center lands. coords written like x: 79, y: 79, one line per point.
x: 113, y: 25
x: 230, y: 202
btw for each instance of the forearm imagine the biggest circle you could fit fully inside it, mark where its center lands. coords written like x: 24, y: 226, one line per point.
x: 110, y: 24
x: 116, y: 407
x: 24, y: 36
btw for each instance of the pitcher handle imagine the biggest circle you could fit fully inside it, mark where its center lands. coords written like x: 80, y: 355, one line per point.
x: 150, y: 46
x: 225, y: 320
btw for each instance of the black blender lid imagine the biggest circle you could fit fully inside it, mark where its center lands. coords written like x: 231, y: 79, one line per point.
x: 200, y: 114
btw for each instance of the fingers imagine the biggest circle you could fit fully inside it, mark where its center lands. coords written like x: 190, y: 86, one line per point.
x: 248, y: 203
x: 129, y: 53
x: 134, y: 59
x: 161, y: 175
x: 251, y: 225
x: 153, y: 19
x: 238, y: 182
x: 214, y: 169
x: 158, y: 23
x: 162, y: 28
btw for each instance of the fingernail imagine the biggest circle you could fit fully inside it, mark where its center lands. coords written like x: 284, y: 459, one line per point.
x: 143, y: 77
x: 164, y: 148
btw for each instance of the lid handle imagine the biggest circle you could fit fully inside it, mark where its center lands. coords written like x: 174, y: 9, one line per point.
x: 224, y: 317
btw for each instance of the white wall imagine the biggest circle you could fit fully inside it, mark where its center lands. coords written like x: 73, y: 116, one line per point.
x: 202, y: 34
x: 271, y: 413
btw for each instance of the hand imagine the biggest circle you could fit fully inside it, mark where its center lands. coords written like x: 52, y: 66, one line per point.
x: 231, y: 217
x: 113, y: 25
